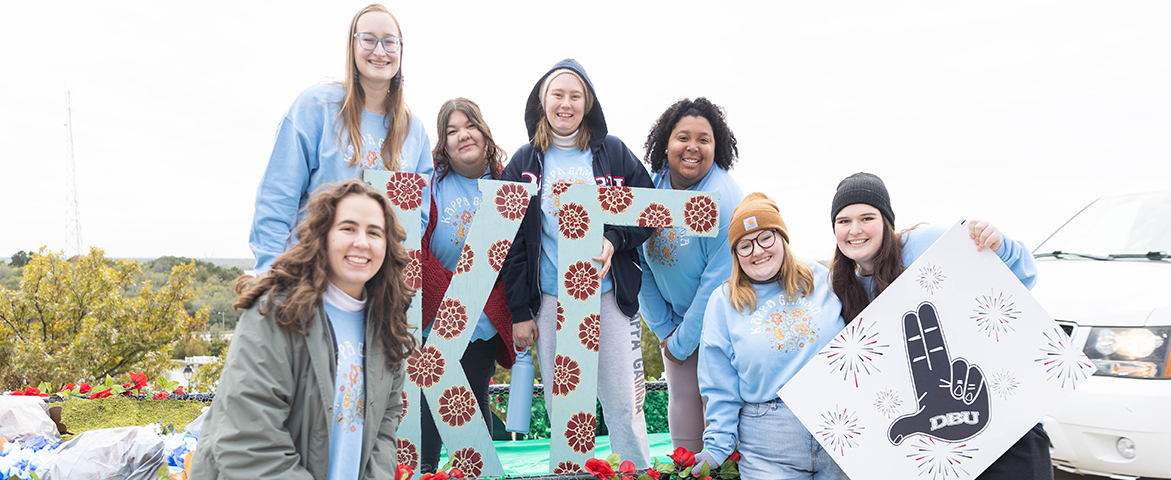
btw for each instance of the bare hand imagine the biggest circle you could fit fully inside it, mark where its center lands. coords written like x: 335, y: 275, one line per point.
x: 524, y: 334
x: 607, y: 252
x: 985, y: 235
x: 667, y: 352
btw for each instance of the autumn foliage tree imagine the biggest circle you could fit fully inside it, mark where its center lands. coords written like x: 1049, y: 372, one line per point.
x: 86, y: 319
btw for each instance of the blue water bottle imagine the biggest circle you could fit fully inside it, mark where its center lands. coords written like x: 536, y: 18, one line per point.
x: 520, y: 393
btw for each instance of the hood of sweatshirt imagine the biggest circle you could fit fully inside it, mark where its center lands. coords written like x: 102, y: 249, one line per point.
x: 594, y: 118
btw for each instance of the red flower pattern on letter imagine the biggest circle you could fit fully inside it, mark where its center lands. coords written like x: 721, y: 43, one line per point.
x: 457, y: 406
x: 579, y: 432
x: 700, y: 214
x: 405, y: 190
x: 581, y: 281
x: 451, y: 320
x: 655, y: 215
x: 408, y: 453
x: 468, y: 460
x: 567, y: 467
x: 511, y: 201
x: 615, y: 199
x: 414, y: 271
x: 560, y: 315
x: 566, y: 375
x: 467, y: 258
x: 587, y: 332
x: 497, y: 253
x: 573, y: 221
x: 426, y: 366
x: 560, y: 187
x: 406, y: 404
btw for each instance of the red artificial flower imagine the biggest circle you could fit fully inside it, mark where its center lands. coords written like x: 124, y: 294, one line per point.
x: 67, y: 387
x: 627, y: 469
x: 455, y: 473
x: 102, y: 394
x: 85, y: 388
x: 161, y: 395
x: 683, y: 458
x: 179, y: 390
x: 18, y: 392
x: 139, y: 379
x: 599, y: 468
x: 735, y: 456
x: 653, y: 474
x: 403, y: 472
x: 34, y: 392
x: 434, y: 476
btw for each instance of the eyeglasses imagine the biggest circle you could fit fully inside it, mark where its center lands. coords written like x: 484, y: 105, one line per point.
x: 745, y: 248
x: 368, y: 41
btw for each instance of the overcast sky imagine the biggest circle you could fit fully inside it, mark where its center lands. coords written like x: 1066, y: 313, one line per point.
x: 1018, y: 112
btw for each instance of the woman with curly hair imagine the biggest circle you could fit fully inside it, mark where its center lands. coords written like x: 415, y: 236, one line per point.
x: 690, y: 147
x: 300, y: 396
x: 336, y: 130
x: 465, y: 154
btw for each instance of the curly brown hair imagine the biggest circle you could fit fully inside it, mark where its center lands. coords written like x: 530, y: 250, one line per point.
x: 300, y: 276
x: 660, y: 134
x: 472, y: 111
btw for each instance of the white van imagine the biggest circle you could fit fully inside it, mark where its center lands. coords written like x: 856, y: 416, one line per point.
x: 1105, y: 276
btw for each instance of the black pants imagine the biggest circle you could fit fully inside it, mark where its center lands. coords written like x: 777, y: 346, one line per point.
x: 479, y: 362
x: 1028, y: 459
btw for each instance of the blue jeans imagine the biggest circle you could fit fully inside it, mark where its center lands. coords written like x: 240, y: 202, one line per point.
x: 775, y: 445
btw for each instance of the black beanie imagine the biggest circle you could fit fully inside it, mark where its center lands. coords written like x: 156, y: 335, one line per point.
x: 865, y: 188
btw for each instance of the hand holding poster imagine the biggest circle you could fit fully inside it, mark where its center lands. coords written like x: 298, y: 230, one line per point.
x: 941, y: 374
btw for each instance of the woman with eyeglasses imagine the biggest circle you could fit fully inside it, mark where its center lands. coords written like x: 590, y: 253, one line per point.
x: 760, y: 327
x: 690, y: 147
x: 871, y: 254
x: 334, y: 131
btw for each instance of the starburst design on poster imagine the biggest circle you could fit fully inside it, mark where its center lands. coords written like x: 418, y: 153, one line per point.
x: 1003, y: 384
x: 995, y: 314
x: 1062, y: 360
x: 839, y: 430
x: 853, y: 351
x: 931, y: 278
x: 941, y: 460
x: 887, y: 402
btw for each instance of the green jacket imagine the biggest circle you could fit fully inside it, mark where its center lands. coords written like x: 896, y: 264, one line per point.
x: 272, y: 410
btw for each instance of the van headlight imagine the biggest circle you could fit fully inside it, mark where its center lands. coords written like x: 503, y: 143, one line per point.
x: 1130, y: 352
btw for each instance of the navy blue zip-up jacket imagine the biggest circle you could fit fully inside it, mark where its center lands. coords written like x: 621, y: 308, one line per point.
x: 613, y: 165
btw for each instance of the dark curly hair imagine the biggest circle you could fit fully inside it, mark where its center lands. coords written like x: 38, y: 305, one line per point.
x: 298, y: 277
x: 660, y: 134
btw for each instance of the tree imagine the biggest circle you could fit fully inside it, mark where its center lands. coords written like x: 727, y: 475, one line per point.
x: 19, y: 259
x: 84, y: 321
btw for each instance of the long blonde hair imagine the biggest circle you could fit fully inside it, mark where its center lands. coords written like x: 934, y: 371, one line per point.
x: 398, y: 116
x: 795, y: 279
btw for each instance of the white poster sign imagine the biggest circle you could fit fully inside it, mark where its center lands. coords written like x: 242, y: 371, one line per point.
x: 941, y: 374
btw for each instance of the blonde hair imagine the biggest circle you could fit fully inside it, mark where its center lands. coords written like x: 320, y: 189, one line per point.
x: 543, y: 138
x: 350, y: 115
x: 795, y: 279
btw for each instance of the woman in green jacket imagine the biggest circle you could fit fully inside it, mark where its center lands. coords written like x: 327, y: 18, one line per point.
x: 300, y: 396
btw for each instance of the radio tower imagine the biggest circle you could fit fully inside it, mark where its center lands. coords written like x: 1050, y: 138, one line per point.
x: 73, y: 243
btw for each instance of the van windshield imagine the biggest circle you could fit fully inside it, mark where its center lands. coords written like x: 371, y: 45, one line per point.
x: 1127, y: 224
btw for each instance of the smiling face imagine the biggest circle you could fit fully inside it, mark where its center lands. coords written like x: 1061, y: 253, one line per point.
x: 690, y: 151
x: 763, y: 263
x: 376, y: 67
x: 357, y: 243
x: 465, y: 146
x: 858, y: 231
x: 565, y: 103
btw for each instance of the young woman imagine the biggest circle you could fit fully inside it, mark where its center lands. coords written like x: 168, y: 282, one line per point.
x: 569, y: 145
x: 871, y: 255
x: 301, y: 396
x: 334, y: 131
x: 465, y: 154
x: 690, y: 147
x: 765, y: 323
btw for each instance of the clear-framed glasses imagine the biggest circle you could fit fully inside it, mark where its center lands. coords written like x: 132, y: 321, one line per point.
x: 744, y: 248
x: 368, y: 41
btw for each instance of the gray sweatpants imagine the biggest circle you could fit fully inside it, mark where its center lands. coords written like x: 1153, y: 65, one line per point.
x: 621, y: 384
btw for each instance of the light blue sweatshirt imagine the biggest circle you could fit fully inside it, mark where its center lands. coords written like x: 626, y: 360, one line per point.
x: 457, y: 197
x: 747, y: 358
x: 306, y: 156
x: 1014, y: 254
x: 347, y: 320
x: 574, y: 167
x: 680, y: 273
